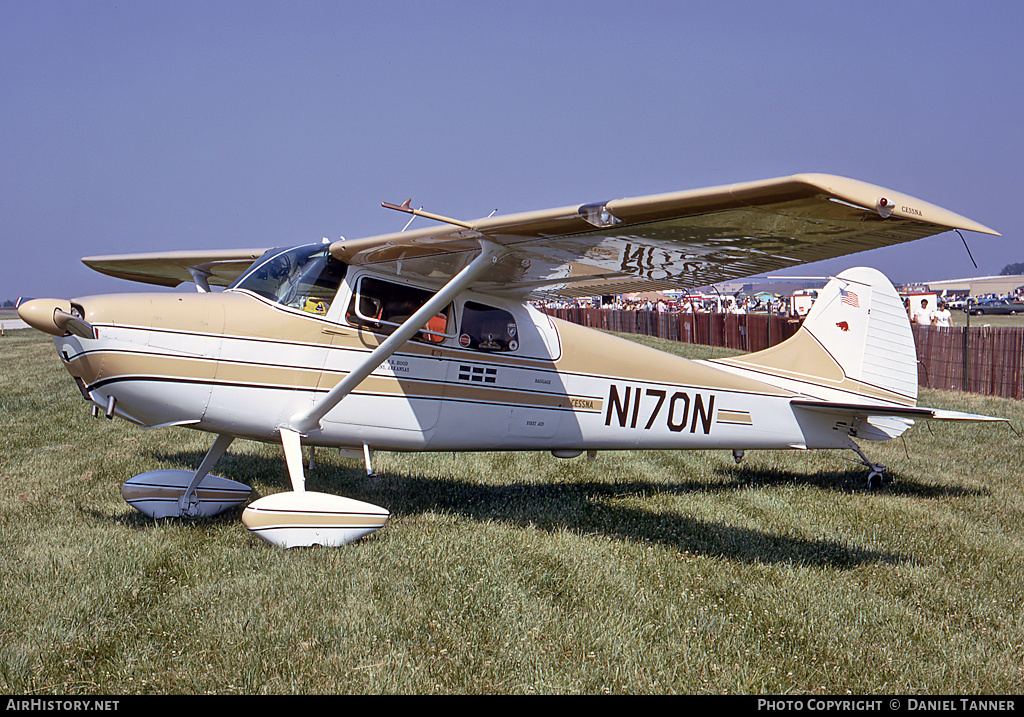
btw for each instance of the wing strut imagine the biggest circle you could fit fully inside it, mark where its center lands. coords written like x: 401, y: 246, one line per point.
x: 309, y: 420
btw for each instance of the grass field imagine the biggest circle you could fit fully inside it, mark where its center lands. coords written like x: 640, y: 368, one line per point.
x: 997, y: 320
x: 513, y: 573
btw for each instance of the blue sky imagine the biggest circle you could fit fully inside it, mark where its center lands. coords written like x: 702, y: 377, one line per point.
x: 148, y: 126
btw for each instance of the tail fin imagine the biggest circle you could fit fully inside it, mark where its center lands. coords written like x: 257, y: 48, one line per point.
x: 855, y: 344
x: 853, y: 360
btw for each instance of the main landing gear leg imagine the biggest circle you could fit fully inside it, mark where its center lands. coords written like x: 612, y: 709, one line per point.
x: 293, y: 457
x: 188, y: 503
x: 366, y: 459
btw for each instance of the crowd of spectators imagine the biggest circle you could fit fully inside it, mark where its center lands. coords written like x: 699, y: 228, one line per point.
x: 696, y: 305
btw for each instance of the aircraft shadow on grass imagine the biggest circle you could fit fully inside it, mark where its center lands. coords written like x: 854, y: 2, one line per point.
x: 591, y: 507
x: 850, y: 480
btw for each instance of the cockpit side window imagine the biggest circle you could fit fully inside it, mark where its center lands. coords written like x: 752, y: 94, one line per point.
x: 383, y: 306
x: 486, y: 328
x: 305, y: 278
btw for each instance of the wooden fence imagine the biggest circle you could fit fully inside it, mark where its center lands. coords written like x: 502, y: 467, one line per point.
x: 747, y: 332
x: 980, y: 359
x: 985, y: 360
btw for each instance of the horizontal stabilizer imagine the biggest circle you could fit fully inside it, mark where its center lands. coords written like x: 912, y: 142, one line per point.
x: 879, y: 421
x: 869, y: 410
x: 863, y: 410
x: 941, y: 415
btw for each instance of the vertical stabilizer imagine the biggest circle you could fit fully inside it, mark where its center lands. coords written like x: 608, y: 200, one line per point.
x: 860, y: 320
x: 856, y: 339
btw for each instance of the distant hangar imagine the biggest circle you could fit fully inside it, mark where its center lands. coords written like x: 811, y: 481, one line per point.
x: 978, y: 286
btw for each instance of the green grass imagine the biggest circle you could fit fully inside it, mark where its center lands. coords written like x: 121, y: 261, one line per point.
x: 652, y: 572
x: 998, y: 320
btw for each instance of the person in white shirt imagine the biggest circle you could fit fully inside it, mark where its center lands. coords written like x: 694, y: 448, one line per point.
x: 923, y: 315
x: 942, y: 317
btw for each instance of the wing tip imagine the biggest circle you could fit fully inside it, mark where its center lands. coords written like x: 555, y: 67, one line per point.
x: 904, y: 206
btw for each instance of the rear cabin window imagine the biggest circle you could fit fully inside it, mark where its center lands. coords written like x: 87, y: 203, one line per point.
x: 486, y: 328
x: 383, y: 306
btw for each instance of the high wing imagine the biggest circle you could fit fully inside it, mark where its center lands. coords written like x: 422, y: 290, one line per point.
x: 680, y: 240
x: 214, y: 267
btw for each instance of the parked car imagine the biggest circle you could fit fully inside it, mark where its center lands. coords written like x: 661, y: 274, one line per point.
x: 996, y: 306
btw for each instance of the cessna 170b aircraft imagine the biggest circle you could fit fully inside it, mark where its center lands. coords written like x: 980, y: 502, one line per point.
x: 424, y: 340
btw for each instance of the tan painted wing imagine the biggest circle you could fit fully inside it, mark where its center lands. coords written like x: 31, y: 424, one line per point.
x: 680, y: 240
x: 171, y: 268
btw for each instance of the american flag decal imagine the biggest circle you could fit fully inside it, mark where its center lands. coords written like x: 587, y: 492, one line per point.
x: 849, y: 298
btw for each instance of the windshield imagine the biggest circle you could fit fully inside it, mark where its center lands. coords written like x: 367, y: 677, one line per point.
x: 306, y: 277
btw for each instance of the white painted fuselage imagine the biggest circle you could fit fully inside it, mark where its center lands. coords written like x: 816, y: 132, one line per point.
x: 238, y: 364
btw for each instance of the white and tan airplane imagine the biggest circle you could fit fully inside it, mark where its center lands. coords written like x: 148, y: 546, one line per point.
x: 424, y: 340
